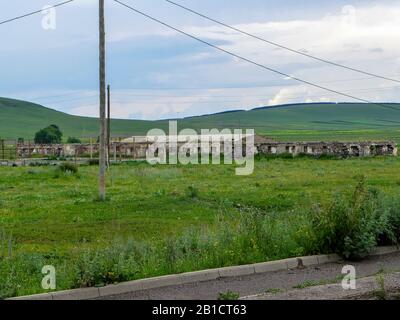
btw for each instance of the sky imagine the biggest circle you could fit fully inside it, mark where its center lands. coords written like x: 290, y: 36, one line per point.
x: 157, y: 73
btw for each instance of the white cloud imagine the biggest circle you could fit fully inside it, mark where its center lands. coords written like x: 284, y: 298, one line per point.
x: 152, y: 105
x: 365, y: 37
x: 330, y: 36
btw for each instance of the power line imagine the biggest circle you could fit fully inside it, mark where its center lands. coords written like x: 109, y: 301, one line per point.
x: 71, y: 99
x: 246, y: 59
x: 271, y: 85
x: 185, y: 99
x: 281, y: 46
x: 233, y: 96
x: 85, y: 94
x: 35, y: 12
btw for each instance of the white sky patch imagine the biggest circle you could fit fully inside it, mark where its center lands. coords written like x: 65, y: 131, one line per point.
x: 333, y: 36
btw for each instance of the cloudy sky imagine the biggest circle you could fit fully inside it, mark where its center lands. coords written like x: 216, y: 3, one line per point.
x: 157, y: 73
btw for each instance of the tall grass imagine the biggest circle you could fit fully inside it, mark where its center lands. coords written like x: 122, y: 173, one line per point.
x: 351, y: 225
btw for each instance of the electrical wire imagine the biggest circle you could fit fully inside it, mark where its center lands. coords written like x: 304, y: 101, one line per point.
x: 35, y: 12
x: 249, y: 60
x: 281, y: 46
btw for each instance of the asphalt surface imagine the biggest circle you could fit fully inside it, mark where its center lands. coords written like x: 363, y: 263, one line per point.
x: 383, y: 286
x: 257, y: 284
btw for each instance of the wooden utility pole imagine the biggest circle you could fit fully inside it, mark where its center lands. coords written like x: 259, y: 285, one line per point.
x: 108, y: 125
x: 102, y: 146
x: 2, y: 148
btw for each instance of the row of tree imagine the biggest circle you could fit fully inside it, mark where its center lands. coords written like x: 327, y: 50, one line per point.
x: 52, y: 134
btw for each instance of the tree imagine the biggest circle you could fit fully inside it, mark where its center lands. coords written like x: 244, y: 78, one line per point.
x: 73, y: 140
x: 48, y: 135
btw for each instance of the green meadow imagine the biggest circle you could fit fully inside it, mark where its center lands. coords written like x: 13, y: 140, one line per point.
x: 173, y: 218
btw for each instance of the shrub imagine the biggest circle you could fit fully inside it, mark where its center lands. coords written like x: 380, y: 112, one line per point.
x: 192, y: 192
x: 93, y: 162
x: 50, y: 134
x: 285, y: 155
x: 392, y: 210
x: 229, y: 295
x: 39, y: 164
x: 117, y: 263
x: 68, y: 168
x: 73, y: 140
x: 351, y: 226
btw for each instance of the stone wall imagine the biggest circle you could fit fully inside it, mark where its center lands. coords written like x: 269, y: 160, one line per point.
x: 341, y: 149
x: 117, y: 149
x: 138, y: 150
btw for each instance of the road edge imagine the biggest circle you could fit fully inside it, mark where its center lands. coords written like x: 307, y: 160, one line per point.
x: 194, y: 277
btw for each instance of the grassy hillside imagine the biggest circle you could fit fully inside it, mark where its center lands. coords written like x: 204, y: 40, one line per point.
x: 319, y: 121
x: 23, y: 119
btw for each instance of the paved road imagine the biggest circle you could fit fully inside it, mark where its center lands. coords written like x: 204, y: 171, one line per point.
x: 260, y: 283
x: 368, y: 288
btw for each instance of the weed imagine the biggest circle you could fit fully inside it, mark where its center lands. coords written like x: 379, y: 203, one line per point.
x: 273, y: 290
x: 229, y: 295
x: 307, y: 283
x: 380, y: 293
x: 351, y: 226
x: 93, y: 162
x: 68, y: 168
x: 192, y: 192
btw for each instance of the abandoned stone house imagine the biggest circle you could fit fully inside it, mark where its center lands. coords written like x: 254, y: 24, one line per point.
x: 136, y: 147
x: 341, y: 149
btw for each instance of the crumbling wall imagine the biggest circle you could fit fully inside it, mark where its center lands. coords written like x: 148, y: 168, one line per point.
x: 340, y: 149
x: 138, y: 150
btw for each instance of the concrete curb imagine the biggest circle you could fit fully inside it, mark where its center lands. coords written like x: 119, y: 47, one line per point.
x: 197, y: 276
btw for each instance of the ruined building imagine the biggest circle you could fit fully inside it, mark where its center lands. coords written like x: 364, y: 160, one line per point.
x: 339, y: 149
x: 136, y: 147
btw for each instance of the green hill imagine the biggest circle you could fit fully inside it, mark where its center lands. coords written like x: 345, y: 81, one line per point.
x: 316, y: 121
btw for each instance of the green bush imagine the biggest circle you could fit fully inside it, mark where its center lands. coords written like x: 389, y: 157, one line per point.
x: 392, y: 211
x: 50, y: 134
x: 39, y: 164
x: 229, y: 295
x: 270, y: 156
x: 93, y: 162
x: 73, y: 140
x: 68, y: 168
x: 192, y: 192
x: 100, y: 267
x: 351, y: 226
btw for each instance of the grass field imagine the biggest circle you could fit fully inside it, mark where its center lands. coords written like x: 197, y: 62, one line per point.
x: 55, y: 218
x: 344, y: 121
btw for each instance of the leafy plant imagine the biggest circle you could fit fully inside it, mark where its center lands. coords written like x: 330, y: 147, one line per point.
x: 93, y: 162
x: 273, y: 290
x: 73, y: 140
x: 351, y: 226
x: 50, y: 134
x: 192, y: 192
x: 229, y: 295
x: 380, y: 293
x: 68, y: 167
